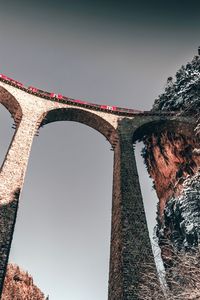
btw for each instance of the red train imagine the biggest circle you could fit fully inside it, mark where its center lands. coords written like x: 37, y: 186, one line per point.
x: 63, y: 99
x: 12, y: 81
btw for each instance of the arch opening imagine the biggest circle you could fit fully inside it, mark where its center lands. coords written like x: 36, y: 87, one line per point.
x: 81, y: 116
x: 60, y: 152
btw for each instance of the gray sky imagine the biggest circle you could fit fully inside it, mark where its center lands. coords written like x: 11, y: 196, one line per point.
x: 114, y: 52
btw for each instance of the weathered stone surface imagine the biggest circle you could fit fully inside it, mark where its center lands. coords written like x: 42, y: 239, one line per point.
x: 130, y: 244
x: 182, y: 215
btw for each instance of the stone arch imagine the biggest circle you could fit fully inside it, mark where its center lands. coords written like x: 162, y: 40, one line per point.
x: 81, y: 116
x: 11, y: 104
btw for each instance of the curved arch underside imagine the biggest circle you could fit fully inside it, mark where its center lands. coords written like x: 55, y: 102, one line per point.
x: 81, y: 116
x: 185, y: 127
x: 11, y: 104
x: 6, y: 132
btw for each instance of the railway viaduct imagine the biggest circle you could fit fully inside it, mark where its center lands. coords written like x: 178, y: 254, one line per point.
x: 130, y: 247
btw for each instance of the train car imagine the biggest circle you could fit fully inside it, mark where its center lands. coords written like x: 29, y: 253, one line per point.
x: 80, y: 101
x: 94, y: 105
x: 15, y: 82
x: 33, y: 89
x: 67, y: 99
x: 44, y: 93
x: 57, y: 96
x: 18, y: 83
x: 11, y: 80
x: 4, y: 77
x: 40, y: 92
x: 91, y: 104
x: 108, y: 107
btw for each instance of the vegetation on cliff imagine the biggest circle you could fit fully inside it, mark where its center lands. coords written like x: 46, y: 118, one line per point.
x: 18, y: 285
x: 183, y: 279
x: 182, y: 94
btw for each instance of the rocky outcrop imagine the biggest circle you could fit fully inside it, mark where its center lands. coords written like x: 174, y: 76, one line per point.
x: 170, y: 158
x: 182, y: 215
x: 18, y: 285
x: 173, y: 162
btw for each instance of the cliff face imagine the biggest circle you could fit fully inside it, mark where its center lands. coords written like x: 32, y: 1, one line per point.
x: 172, y: 158
x: 18, y: 285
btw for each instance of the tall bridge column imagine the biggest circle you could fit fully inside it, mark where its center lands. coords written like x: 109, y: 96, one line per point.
x: 131, y: 250
x: 11, y: 181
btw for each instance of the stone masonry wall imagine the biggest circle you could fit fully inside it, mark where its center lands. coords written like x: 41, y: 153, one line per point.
x: 130, y: 244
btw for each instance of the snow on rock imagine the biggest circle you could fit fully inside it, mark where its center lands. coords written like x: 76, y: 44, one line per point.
x: 182, y: 95
x: 182, y: 216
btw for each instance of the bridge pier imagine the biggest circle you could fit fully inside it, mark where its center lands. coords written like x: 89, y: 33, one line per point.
x: 131, y: 251
x: 11, y: 182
